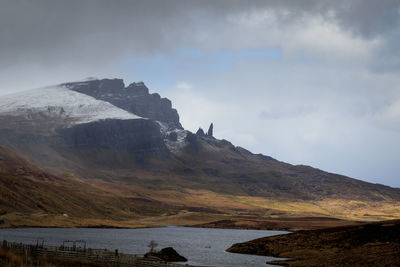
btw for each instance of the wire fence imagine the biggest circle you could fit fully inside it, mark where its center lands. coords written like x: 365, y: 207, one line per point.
x: 99, y: 257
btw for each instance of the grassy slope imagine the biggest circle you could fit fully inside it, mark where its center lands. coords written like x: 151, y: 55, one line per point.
x: 33, y: 197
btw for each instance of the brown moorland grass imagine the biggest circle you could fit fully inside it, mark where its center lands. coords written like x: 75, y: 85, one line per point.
x: 33, y: 197
x: 9, y: 258
x: 370, y: 244
x: 223, y: 212
x: 283, y: 224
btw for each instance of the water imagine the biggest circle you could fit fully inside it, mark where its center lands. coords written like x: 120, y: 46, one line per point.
x: 193, y: 243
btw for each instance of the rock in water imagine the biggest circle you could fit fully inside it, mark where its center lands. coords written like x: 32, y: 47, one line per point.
x: 167, y: 254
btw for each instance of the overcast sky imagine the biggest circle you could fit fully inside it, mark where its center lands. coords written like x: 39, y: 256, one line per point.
x: 306, y: 82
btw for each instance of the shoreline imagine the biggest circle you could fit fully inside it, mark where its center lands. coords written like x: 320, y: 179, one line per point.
x: 291, y: 224
x: 370, y: 244
x: 189, y: 242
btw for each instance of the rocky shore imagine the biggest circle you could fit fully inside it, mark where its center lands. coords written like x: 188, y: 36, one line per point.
x: 370, y: 244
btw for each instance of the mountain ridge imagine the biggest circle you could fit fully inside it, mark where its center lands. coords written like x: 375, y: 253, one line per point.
x: 152, y: 150
x: 135, y: 98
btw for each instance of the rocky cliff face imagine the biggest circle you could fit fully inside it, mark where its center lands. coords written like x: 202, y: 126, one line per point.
x: 139, y: 137
x: 134, y: 98
x: 61, y: 125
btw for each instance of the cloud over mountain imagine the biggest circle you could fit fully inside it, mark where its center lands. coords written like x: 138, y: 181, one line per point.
x: 329, y: 70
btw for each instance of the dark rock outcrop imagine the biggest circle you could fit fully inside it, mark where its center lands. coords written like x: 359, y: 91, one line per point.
x: 134, y: 98
x: 210, y: 130
x: 172, y: 136
x: 191, y: 138
x: 166, y: 254
x: 137, y: 136
x: 200, y: 132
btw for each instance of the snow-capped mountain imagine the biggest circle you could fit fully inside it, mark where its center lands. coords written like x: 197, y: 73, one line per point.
x: 90, y: 115
x: 102, y: 109
x: 61, y: 103
x: 134, y: 98
x: 103, y: 129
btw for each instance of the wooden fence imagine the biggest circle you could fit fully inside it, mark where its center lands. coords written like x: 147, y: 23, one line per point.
x: 99, y: 257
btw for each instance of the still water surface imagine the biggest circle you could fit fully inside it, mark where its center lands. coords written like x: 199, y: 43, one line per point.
x: 201, y: 246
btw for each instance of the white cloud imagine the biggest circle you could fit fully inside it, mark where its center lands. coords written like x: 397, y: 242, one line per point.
x: 263, y: 28
x: 323, y: 115
x: 195, y: 109
x: 183, y: 85
x: 318, y: 35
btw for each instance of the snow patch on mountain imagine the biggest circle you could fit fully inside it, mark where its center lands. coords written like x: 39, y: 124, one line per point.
x: 174, y: 145
x: 59, y: 101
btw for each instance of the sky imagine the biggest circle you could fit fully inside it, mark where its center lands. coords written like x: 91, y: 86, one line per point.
x: 306, y: 82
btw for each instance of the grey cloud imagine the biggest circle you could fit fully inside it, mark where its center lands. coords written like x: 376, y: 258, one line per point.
x: 369, y: 17
x: 79, y: 31
x: 387, y: 58
x: 98, y: 31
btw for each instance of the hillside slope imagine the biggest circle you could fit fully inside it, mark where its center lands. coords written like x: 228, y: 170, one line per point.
x: 32, y: 196
x: 26, y: 188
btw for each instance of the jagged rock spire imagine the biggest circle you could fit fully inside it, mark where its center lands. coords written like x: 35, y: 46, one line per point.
x: 200, y: 132
x: 210, y: 130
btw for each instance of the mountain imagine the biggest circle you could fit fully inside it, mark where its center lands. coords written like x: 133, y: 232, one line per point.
x: 134, y: 98
x: 104, y: 132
